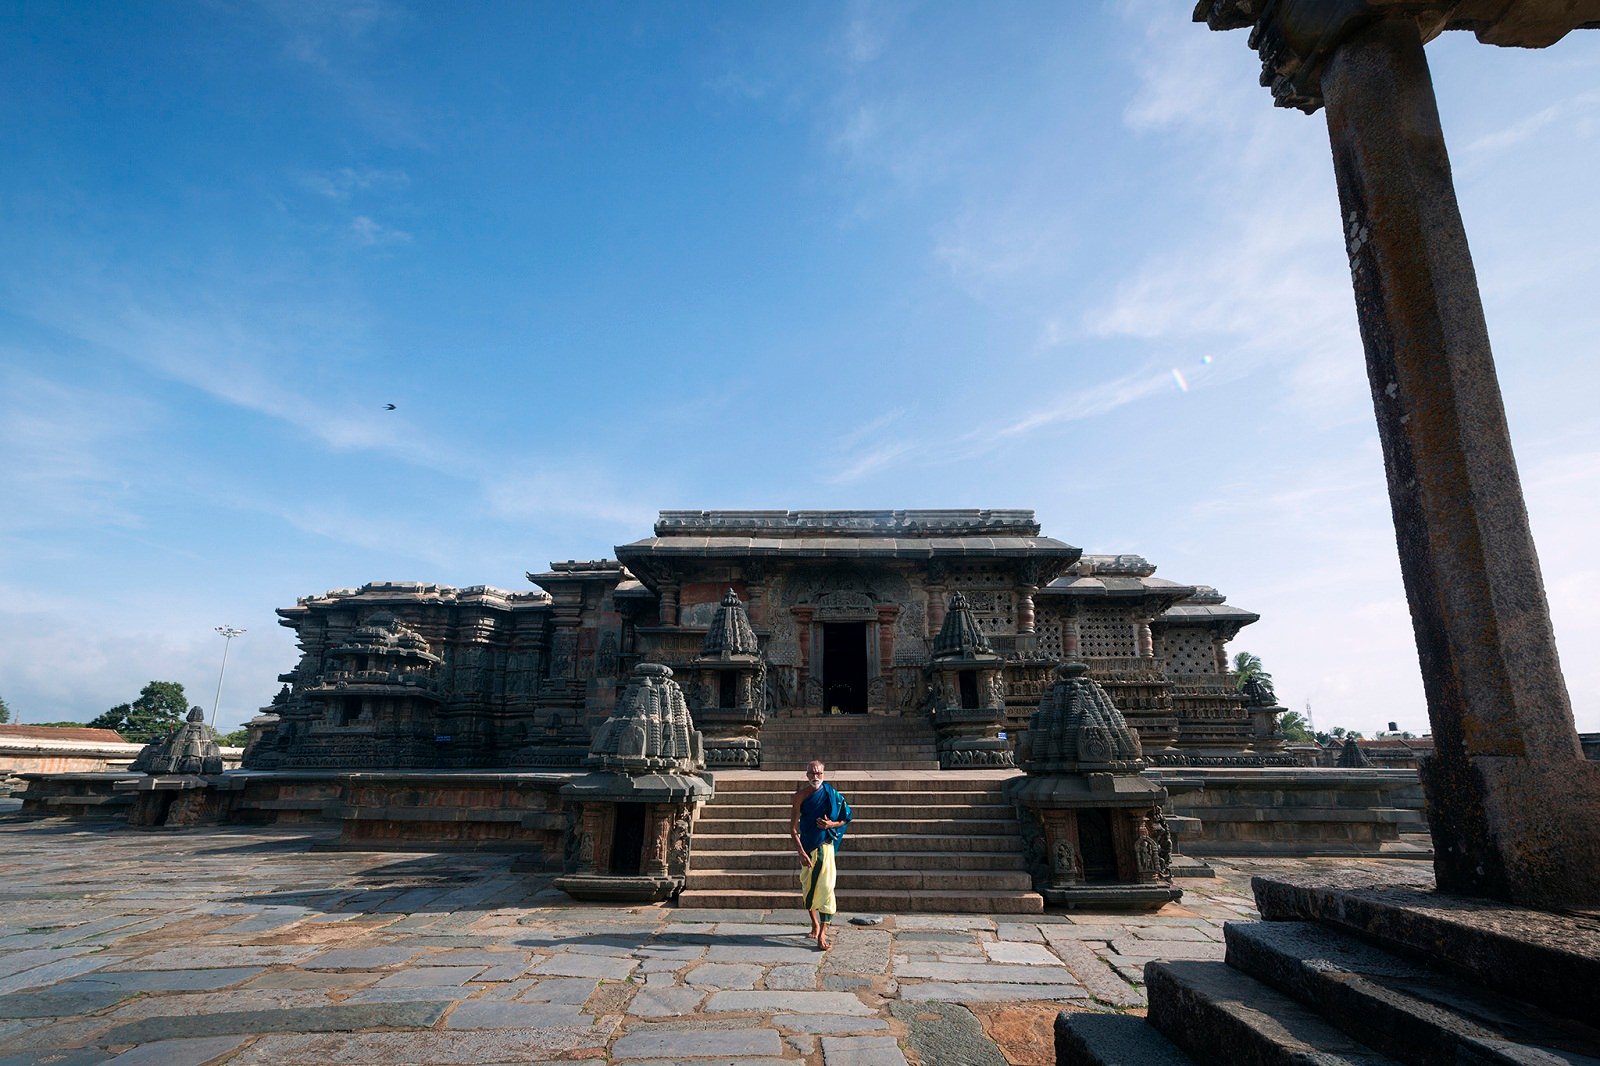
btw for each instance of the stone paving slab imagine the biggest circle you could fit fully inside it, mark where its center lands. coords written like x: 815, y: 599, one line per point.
x: 248, y: 946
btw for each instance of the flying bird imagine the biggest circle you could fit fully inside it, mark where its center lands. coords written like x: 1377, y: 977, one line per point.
x: 388, y: 407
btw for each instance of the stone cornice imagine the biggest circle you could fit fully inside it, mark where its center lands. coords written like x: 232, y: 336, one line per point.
x: 1295, y: 37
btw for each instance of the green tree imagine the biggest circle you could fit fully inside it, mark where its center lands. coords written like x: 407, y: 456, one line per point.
x: 1253, y: 679
x: 1294, y: 726
x: 1339, y: 733
x: 160, y: 708
x: 1248, y: 665
x: 5, y: 712
x: 236, y: 739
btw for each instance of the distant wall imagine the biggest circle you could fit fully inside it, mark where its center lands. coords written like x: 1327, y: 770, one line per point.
x: 61, y: 750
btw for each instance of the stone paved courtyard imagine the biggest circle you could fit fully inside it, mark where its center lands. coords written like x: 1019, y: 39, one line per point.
x: 250, y: 946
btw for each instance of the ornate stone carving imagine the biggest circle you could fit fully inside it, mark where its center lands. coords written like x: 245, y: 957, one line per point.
x: 730, y: 633
x: 651, y: 730
x: 191, y: 748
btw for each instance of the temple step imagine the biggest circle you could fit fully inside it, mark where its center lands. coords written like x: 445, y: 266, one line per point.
x: 1218, y: 1015
x: 873, y: 901
x: 1407, y: 1010
x: 854, y: 879
x: 849, y: 742
x: 931, y: 842
x: 1363, y: 967
x: 733, y: 860
x: 884, y: 810
x: 1551, y: 959
x: 779, y: 841
x: 1088, y: 1039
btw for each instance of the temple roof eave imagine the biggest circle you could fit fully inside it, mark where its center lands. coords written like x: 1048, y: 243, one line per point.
x: 909, y: 548
x: 1205, y: 614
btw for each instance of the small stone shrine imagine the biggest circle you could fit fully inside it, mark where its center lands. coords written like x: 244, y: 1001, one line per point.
x: 629, y: 820
x: 966, y: 693
x: 1351, y: 757
x: 1095, y: 829
x: 180, y: 771
x: 189, y: 749
x: 729, y: 681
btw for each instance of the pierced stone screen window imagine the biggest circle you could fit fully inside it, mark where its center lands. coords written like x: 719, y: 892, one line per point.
x: 1048, y: 627
x: 1104, y: 634
x: 1188, y: 651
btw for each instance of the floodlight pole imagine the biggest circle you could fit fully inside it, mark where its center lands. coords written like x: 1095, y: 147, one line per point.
x: 228, y: 633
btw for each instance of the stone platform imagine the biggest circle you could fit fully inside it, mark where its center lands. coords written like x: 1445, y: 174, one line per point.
x: 246, y: 945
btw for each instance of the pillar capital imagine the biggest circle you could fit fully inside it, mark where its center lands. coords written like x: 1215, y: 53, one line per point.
x: 1295, y: 37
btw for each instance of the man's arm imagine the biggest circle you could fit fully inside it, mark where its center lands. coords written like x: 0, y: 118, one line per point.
x: 794, y: 828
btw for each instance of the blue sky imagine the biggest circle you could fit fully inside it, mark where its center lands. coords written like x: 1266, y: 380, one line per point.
x: 611, y: 259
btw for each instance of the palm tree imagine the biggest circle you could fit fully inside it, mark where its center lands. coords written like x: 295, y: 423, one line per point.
x: 1252, y: 679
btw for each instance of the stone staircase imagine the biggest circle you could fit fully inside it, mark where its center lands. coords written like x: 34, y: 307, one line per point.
x: 1350, y: 973
x: 849, y: 742
x: 945, y: 842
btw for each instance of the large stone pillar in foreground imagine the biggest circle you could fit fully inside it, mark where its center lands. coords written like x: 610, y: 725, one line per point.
x: 1513, y: 806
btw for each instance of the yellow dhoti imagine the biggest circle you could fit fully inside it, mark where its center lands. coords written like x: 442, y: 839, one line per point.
x: 817, y: 881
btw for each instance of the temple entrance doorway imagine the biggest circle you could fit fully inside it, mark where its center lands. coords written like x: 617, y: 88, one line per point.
x: 844, y: 667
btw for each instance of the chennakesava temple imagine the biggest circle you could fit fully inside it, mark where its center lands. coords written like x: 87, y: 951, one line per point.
x: 1017, y: 723
x: 846, y: 609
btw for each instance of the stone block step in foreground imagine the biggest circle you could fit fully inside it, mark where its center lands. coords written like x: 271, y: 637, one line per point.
x: 1360, y: 970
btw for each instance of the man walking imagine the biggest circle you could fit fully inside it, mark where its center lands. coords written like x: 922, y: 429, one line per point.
x: 817, y: 820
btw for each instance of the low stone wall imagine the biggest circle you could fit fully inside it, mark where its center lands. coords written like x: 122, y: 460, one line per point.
x: 1298, y: 811
x: 400, y: 811
x: 481, y: 811
x: 76, y: 795
x: 48, y: 755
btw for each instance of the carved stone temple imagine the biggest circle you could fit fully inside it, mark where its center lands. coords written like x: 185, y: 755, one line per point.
x: 957, y: 615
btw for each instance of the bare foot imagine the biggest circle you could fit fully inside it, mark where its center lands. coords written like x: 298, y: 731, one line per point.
x: 823, y: 942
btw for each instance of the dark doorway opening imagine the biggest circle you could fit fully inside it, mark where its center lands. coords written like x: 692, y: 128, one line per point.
x: 969, y: 689
x: 844, y: 666
x: 1094, y: 840
x: 627, y: 839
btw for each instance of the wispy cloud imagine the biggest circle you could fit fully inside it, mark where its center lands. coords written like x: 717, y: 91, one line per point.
x: 64, y: 452
x: 1079, y: 404
x: 1577, y: 110
x: 344, y: 182
x: 369, y: 233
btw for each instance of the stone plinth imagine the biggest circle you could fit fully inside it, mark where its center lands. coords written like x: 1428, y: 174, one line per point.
x: 1299, y: 811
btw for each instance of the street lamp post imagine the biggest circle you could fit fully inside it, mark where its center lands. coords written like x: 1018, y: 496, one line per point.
x: 228, y: 633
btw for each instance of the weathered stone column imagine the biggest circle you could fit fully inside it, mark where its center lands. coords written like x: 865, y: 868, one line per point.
x: 1514, y: 808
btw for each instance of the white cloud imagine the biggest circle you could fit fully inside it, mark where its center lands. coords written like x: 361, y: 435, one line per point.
x: 370, y: 233
x: 344, y: 182
x: 1578, y: 112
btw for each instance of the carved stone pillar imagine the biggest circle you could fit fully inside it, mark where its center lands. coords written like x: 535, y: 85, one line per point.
x: 669, y: 603
x: 1071, y: 635
x: 802, y: 628
x: 1219, y: 653
x: 1025, y: 615
x: 1144, y: 644
x: 886, y: 617
x: 938, y: 573
x: 1061, y: 848
x: 590, y: 859
x: 658, y: 829
x: 1511, y: 802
